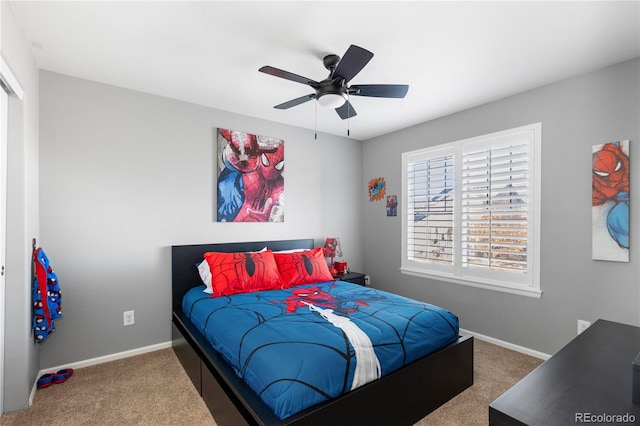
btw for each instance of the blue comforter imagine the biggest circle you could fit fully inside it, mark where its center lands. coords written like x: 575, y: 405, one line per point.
x: 304, y: 345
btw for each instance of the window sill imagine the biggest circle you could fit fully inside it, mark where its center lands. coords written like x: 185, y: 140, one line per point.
x: 488, y: 285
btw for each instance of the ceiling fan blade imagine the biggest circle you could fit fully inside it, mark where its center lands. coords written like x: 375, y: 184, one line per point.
x: 379, y: 90
x: 297, y: 101
x: 354, y: 59
x: 288, y: 76
x: 346, y: 111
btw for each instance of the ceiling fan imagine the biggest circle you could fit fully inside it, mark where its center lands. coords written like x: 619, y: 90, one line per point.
x: 334, y: 92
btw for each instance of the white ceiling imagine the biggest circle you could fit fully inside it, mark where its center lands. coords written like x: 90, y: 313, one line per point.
x: 453, y: 55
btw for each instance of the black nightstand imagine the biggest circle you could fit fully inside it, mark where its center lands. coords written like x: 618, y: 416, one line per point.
x: 351, y: 277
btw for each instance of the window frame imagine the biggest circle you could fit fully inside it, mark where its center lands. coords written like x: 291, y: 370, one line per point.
x: 527, y: 284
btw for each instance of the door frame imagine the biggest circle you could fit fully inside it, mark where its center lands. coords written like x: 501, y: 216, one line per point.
x: 9, y: 87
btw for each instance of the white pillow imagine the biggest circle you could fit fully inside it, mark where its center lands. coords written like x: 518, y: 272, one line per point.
x: 291, y: 250
x: 205, y: 275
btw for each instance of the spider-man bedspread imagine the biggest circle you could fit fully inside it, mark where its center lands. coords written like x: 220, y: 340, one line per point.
x: 304, y: 345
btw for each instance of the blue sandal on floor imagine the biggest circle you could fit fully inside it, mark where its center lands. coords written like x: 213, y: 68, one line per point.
x: 62, y: 375
x: 45, y: 380
x: 48, y: 379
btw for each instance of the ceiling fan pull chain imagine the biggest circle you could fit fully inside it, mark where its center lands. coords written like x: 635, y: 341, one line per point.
x: 315, y: 121
x: 348, y: 118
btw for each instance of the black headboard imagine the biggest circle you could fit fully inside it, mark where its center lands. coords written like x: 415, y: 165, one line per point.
x: 184, y: 274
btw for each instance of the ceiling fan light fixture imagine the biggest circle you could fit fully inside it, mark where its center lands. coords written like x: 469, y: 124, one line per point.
x: 332, y: 100
x: 334, y: 91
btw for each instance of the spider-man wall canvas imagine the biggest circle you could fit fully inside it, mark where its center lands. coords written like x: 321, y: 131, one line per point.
x: 610, y: 201
x: 250, y: 177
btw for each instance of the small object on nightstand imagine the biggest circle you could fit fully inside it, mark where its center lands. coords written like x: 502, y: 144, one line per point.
x: 351, y: 277
x: 341, y: 267
x: 332, y: 249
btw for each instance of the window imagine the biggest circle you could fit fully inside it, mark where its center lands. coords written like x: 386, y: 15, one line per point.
x: 471, y: 211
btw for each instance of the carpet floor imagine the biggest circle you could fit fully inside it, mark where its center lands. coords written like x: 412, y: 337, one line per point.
x: 153, y: 389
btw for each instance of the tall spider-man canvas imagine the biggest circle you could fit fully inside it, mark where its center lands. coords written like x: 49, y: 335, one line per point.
x: 610, y: 201
x: 250, y: 177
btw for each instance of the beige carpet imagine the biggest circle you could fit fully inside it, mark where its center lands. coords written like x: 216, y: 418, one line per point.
x: 153, y: 389
x: 149, y: 389
x: 495, y: 370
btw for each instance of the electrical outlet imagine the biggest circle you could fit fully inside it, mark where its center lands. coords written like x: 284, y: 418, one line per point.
x: 583, y: 325
x: 128, y: 318
x: 367, y: 280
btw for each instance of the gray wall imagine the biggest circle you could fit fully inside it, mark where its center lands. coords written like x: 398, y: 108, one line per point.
x: 576, y: 113
x: 21, y: 355
x: 125, y: 175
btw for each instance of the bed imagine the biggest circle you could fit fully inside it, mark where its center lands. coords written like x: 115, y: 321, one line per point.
x: 401, y: 397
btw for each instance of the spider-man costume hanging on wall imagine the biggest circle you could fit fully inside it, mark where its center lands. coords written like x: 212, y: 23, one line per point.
x: 250, y: 180
x: 47, y: 297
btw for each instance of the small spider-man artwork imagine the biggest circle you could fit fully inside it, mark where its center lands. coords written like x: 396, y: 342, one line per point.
x: 250, y: 177
x: 610, y: 201
x: 392, y: 205
x: 377, y: 189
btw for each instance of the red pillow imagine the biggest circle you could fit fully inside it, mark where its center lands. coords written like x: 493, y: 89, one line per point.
x: 303, y: 267
x: 242, y: 272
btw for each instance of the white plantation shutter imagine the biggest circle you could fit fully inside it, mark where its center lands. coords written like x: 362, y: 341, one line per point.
x: 471, y: 211
x: 430, y: 208
x: 495, y: 204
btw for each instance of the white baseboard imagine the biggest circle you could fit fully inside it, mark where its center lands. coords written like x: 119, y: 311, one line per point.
x: 96, y: 361
x: 165, y: 345
x: 517, y: 348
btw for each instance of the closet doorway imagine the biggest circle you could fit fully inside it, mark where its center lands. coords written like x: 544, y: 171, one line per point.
x: 9, y: 86
x: 4, y: 104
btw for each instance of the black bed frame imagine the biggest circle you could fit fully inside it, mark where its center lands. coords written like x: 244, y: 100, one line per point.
x: 400, y: 398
